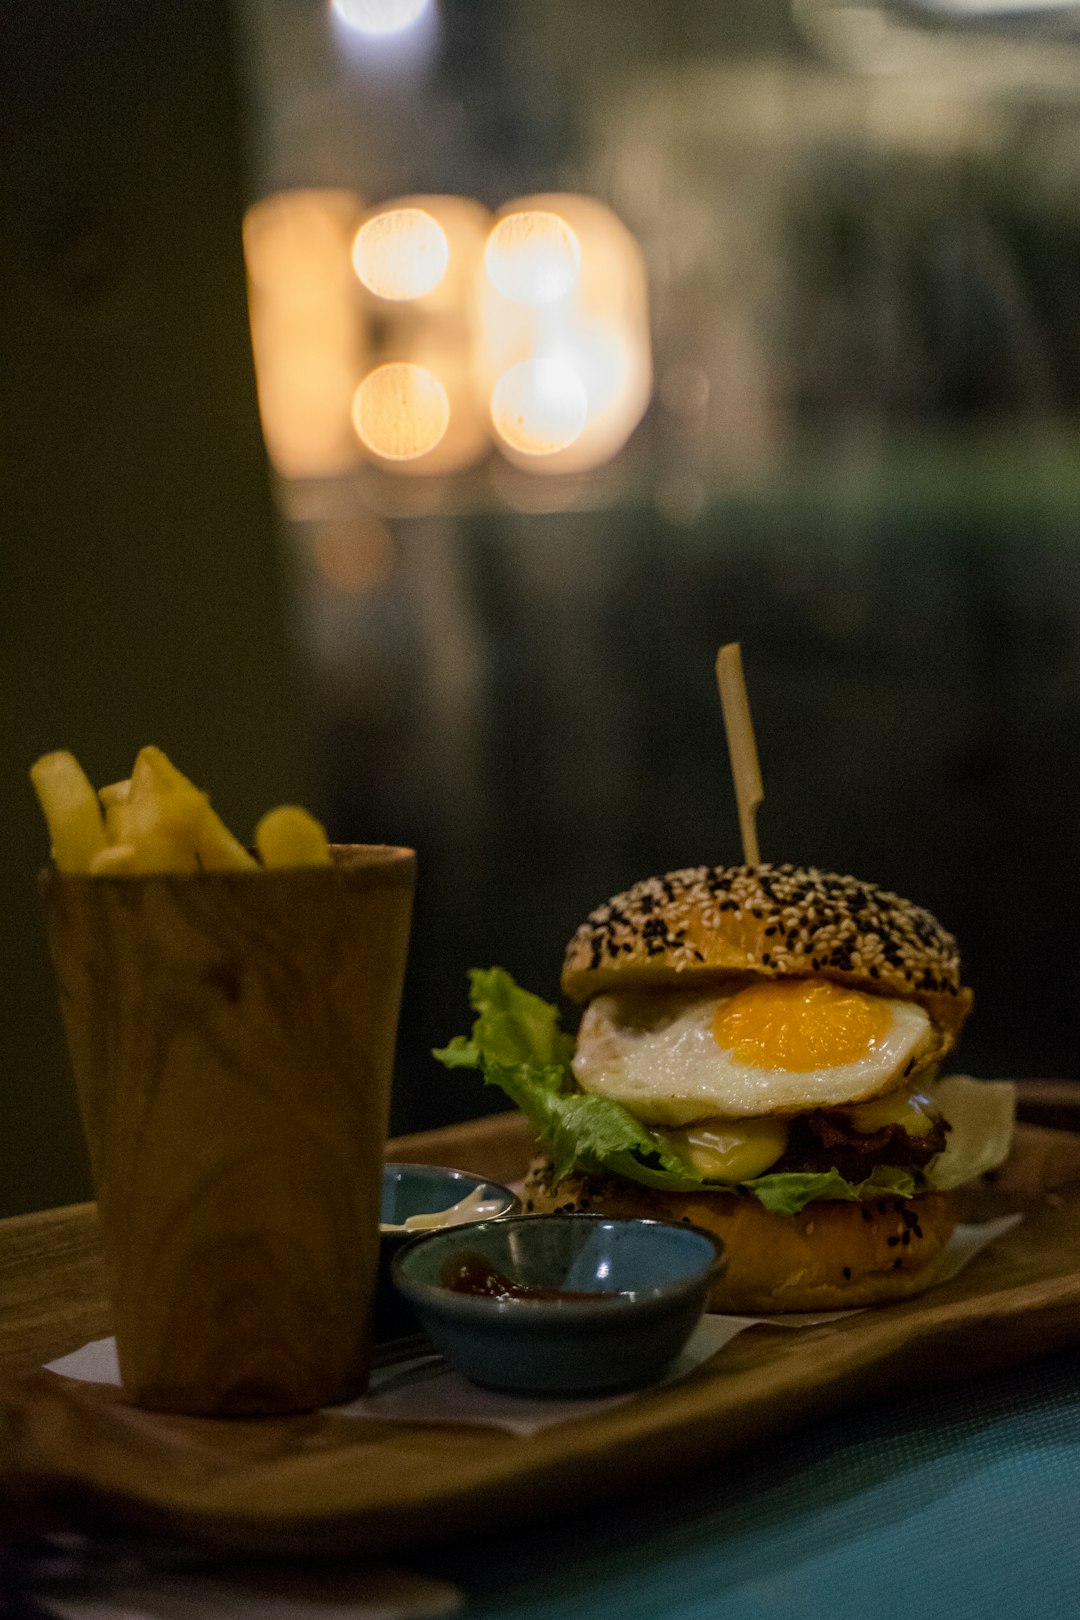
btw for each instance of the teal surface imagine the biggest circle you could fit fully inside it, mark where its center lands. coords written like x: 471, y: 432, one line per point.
x: 961, y: 1503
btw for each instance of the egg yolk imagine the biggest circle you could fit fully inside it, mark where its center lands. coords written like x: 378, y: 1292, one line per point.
x: 799, y: 1024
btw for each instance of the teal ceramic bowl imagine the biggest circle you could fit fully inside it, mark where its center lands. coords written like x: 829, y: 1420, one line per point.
x: 560, y: 1304
x: 412, y: 1192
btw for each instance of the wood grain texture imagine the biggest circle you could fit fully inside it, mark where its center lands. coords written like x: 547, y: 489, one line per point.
x: 232, y: 1039
x: 52, y: 1286
x: 82, y: 1454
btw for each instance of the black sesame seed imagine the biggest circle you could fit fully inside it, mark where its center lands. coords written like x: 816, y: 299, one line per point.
x: 892, y: 1242
x: 847, y: 1273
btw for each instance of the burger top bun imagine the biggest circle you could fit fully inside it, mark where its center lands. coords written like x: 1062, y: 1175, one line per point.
x: 705, y: 924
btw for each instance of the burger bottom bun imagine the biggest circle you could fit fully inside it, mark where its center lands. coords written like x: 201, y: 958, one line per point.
x: 831, y: 1256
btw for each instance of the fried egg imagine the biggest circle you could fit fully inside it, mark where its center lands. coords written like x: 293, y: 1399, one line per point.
x: 781, y: 1046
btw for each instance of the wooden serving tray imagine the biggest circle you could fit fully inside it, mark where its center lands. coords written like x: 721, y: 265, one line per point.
x: 80, y: 1455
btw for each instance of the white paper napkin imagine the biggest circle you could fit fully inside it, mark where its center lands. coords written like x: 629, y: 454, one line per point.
x: 426, y: 1390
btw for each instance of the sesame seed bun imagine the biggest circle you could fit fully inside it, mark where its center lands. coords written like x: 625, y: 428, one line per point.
x: 706, y: 924
x: 831, y: 1256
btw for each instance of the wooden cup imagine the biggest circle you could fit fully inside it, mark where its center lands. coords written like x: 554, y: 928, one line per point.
x: 232, y: 1038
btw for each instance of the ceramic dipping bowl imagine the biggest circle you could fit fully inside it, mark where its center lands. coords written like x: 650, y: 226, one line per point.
x: 413, y: 1193
x: 560, y: 1304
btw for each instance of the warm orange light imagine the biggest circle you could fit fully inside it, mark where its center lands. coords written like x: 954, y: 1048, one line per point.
x: 401, y: 411
x: 431, y: 247
x: 353, y: 555
x: 401, y: 253
x: 532, y: 256
x: 419, y: 334
x: 539, y: 406
x: 305, y: 328
x: 596, y: 330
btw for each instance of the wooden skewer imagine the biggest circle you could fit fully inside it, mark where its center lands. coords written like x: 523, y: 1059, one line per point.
x: 742, y: 748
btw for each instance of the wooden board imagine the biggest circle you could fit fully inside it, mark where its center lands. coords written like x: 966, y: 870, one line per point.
x: 79, y: 1454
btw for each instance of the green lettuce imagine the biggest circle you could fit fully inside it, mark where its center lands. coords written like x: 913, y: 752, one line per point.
x: 516, y: 1044
x: 789, y: 1190
x: 513, y: 1027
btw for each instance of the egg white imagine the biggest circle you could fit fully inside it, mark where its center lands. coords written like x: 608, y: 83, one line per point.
x: 657, y: 1056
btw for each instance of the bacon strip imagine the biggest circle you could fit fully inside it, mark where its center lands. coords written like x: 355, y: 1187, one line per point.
x: 823, y: 1141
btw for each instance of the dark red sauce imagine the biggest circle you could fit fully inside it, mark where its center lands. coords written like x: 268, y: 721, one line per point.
x: 474, y: 1274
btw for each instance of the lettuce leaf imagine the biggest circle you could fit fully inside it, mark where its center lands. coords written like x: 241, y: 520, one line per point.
x: 516, y: 1044
x: 592, y: 1133
x: 513, y: 1026
x: 787, y: 1192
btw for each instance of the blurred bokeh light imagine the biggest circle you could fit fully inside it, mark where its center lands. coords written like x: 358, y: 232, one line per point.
x: 437, y: 333
x: 540, y: 406
x: 532, y: 256
x: 305, y: 329
x: 379, y: 17
x: 401, y: 411
x: 593, y: 337
x: 401, y: 253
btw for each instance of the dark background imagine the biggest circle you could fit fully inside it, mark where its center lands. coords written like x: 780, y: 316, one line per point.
x: 918, y: 714
x: 860, y: 461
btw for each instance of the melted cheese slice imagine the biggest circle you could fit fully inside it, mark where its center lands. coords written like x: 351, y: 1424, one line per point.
x: 730, y: 1149
x: 909, y: 1109
x: 740, y: 1149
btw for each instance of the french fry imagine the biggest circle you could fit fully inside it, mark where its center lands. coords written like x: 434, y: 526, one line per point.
x: 153, y: 825
x: 217, y: 848
x: 113, y: 859
x: 71, y: 808
x: 162, y: 796
x: 186, y: 811
x: 170, y: 823
x: 154, y: 765
x: 113, y: 797
x: 156, y: 820
x: 147, y: 833
x: 289, y: 836
x: 159, y: 854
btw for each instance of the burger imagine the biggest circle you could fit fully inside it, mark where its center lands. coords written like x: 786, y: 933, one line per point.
x: 758, y: 1056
